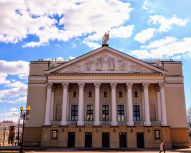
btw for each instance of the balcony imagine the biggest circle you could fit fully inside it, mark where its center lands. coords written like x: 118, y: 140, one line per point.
x: 55, y: 123
x: 89, y: 123
x: 138, y: 123
x: 72, y: 122
x: 105, y: 122
x: 155, y: 123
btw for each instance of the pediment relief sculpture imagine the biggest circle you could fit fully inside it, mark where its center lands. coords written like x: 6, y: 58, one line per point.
x: 105, y: 63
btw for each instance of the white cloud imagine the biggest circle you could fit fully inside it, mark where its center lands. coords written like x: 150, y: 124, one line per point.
x: 20, y: 68
x: 76, y: 18
x: 162, y: 42
x: 168, y: 47
x: 166, y: 24
x: 13, y: 91
x: 13, y: 109
x: 145, y: 35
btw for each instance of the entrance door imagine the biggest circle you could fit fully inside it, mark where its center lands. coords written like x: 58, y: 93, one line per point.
x: 105, y: 139
x: 71, y: 139
x: 140, y: 140
x: 122, y: 140
x: 88, y: 139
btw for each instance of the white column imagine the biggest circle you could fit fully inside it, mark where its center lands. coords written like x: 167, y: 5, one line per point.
x: 64, y: 104
x: 113, y: 105
x: 52, y: 104
x: 129, y: 104
x: 163, y: 105
x: 158, y: 103
x: 97, y: 108
x: 48, y: 103
x: 81, y: 105
x: 147, y: 121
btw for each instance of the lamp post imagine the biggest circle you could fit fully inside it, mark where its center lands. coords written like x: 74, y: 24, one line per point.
x: 24, y: 115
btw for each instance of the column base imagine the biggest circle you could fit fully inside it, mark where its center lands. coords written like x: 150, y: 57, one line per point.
x: 47, y: 123
x: 80, y: 123
x: 147, y: 123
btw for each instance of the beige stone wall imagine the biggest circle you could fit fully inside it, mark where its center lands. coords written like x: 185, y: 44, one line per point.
x: 131, y: 133
x: 38, y: 68
x: 175, y: 106
x: 173, y: 68
x: 36, y: 98
x: 179, y: 137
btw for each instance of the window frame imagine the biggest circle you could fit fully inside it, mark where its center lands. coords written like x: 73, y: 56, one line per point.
x: 157, y: 134
x: 89, y: 113
x: 105, y: 112
x: 120, y: 113
x: 74, y: 112
x: 136, y: 113
x: 54, y: 134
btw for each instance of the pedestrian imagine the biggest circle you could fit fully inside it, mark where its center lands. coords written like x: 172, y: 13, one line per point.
x: 162, y: 147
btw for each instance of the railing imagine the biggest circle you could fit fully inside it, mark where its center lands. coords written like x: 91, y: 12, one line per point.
x: 122, y: 123
x: 55, y: 123
x: 89, y: 122
x: 72, y: 122
x: 105, y: 122
x: 155, y: 123
x: 138, y: 123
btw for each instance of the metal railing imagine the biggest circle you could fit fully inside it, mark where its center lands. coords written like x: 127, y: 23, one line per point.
x: 55, y: 123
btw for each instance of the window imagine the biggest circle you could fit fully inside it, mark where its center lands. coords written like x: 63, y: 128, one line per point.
x: 136, y: 112
x: 74, y: 113
x: 157, y: 134
x: 120, y: 113
x: 74, y: 94
x: 54, y: 134
x: 135, y: 94
x: 120, y: 94
x: 89, y: 116
x: 90, y: 94
x: 105, y: 112
x: 105, y: 94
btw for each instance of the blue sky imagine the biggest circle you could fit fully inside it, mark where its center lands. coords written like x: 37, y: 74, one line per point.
x: 62, y: 29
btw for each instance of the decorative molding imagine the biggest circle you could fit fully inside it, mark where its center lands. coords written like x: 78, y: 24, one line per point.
x: 37, y: 85
x: 37, y: 78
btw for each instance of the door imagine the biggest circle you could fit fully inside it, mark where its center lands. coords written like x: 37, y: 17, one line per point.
x: 122, y: 140
x: 71, y: 139
x: 140, y: 140
x: 105, y: 139
x: 88, y: 139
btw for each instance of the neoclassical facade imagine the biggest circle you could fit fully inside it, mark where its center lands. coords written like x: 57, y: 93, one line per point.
x: 106, y: 99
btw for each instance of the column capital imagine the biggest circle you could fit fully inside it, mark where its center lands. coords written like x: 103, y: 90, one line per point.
x: 113, y: 84
x: 145, y: 85
x: 49, y: 85
x: 65, y: 84
x: 129, y: 84
x: 81, y: 84
x: 162, y: 85
x: 97, y: 84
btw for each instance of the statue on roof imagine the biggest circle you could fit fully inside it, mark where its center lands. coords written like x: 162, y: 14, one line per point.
x: 105, y: 39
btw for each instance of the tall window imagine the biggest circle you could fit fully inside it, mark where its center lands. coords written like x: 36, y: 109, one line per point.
x: 120, y: 113
x: 89, y: 114
x: 105, y: 112
x: 135, y: 94
x: 105, y: 94
x: 74, y: 94
x: 136, y: 112
x: 90, y: 94
x: 120, y: 94
x: 74, y: 112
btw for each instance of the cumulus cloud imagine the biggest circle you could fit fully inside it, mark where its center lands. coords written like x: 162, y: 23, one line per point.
x: 168, y: 47
x: 60, y: 20
x: 165, y: 24
x: 12, y: 91
x: 145, y: 35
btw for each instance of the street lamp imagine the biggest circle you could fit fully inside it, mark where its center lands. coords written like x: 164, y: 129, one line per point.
x: 24, y: 115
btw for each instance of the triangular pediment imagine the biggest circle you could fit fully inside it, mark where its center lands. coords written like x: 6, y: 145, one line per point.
x: 105, y: 60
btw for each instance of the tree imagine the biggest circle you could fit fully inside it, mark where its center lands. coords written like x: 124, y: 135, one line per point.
x: 189, y: 120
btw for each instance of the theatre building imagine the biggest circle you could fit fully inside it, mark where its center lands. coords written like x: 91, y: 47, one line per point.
x: 106, y: 99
